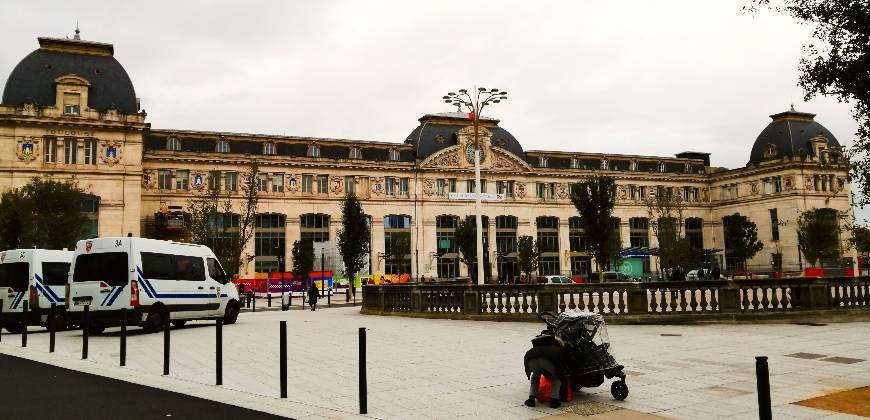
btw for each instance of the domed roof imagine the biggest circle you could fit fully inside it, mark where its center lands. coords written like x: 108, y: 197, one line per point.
x: 438, y: 131
x: 789, y: 134
x: 33, y: 79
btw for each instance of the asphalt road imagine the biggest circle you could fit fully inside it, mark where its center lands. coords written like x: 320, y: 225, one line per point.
x: 33, y: 390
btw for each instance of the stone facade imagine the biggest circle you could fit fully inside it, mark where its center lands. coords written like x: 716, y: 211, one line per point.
x: 139, y: 173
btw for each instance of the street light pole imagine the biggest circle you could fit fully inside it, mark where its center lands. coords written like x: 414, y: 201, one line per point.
x: 475, y: 105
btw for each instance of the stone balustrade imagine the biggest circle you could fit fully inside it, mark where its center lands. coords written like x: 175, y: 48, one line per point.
x: 660, y: 302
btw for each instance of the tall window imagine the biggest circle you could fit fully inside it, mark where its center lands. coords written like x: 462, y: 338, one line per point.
x: 394, y: 154
x: 397, y: 232
x: 69, y: 151
x: 164, y: 179
x: 506, y: 247
x: 695, y: 232
x: 90, y: 152
x: 445, y: 236
x: 277, y: 183
x: 214, y: 180
x: 445, y: 186
x: 470, y: 185
x: 547, y: 191
x: 222, y: 146
x: 71, y: 103
x: 349, y: 185
x: 269, y: 242
x: 580, y: 261
x: 396, y: 186
x: 548, y: 245
x: 774, y: 225
x: 173, y: 144
x: 638, y: 231
x: 307, y: 183
x: 355, y: 153
x: 314, y: 226
x: 542, y: 162
x: 232, y: 181
x: 268, y: 148
x: 262, y: 182
x: 322, y: 184
x: 91, y: 210
x: 505, y: 187
x: 313, y: 151
x: 182, y: 179
x: 50, y: 152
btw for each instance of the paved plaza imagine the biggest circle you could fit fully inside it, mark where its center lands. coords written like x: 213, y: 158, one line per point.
x: 425, y: 368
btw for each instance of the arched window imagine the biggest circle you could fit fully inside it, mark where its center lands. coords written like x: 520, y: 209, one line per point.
x: 355, y: 153
x: 222, y: 146
x: 770, y: 150
x: 173, y: 144
x: 313, y: 150
x: 394, y: 154
x: 314, y: 226
x: 548, y: 245
x: 269, y: 148
x: 506, y: 248
x: 397, y: 243
x: 269, y: 242
x: 445, y: 236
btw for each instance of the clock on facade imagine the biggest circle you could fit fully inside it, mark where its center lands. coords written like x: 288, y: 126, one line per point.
x: 469, y: 153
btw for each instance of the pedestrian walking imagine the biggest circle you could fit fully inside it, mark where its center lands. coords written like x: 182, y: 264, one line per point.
x: 312, y: 296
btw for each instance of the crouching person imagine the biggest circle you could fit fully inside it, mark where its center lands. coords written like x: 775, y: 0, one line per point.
x: 547, y: 360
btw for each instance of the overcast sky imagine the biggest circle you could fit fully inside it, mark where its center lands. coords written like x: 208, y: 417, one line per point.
x: 634, y: 77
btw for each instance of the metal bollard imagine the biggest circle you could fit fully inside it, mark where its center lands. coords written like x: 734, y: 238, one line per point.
x: 51, y: 327
x: 1, y: 320
x: 123, y: 336
x: 269, y: 300
x: 329, y: 297
x: 219, y: 353
x: 166, y: 345
x: 253, y: 303
x: 283, y: 355
x: 86, y: 326
x: 363, y: 391
x: 24, y: 325
x: 763, y: 383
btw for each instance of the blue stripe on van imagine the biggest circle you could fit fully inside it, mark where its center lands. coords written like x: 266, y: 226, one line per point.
x: 17, y: 299
x: 48, y: 290
x: 41, y: 289
x: 117, y: 293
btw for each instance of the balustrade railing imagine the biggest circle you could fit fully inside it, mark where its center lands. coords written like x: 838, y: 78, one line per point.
x: 630, y: 301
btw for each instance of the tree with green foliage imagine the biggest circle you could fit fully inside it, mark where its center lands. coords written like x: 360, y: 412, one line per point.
x: 354, y: 238
x: 836, y: 65
x: 819, y: 235
x: 594, y: 199
x: 303, y: 258
x: 665, y: 212
x: 216, y: 221
x: 741, y: 238
x: 861, y: 239
x: 44, y: 213
x: 466, y: 242
x: 528, y: 256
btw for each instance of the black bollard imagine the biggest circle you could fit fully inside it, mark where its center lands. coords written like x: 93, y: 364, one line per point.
x: 253, y: 303
x: 329, y: 297
x: 24, y: 325
x: 51, y: 327
x: 166, y: 345
x: 123, y: 336
x: 219, y: 352
x: 86, y: 327
x: 283, y: 351
x: 269, y: 299
x: 763, y: 382
x: 1, y: 320
x: 363, y: 391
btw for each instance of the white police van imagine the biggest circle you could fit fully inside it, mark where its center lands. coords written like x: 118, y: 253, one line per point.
x: 38, y: 278
x: 154, y: 280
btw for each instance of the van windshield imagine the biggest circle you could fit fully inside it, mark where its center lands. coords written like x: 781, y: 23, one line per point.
x: 15, y: 276
x: 110, y: 267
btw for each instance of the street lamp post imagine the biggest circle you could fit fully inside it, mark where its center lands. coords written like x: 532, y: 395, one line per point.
x: 475, y: 104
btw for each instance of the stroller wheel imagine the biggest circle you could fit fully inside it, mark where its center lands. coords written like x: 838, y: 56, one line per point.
x: 619, y: 390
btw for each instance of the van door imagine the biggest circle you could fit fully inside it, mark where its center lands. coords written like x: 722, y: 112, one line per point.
x: 14, y: 279
x: 52, y: 281
x: 198, y: 291
x: 218, y: 278
x: 100, y: 279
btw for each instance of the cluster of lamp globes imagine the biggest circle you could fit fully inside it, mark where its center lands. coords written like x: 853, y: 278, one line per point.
x: 463, y: 98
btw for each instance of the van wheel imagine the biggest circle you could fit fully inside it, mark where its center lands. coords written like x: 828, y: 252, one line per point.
x: 232, y: 313
x: 156, y: 319
x: 14, y: 328
x: 179, y: 323
x: 60, y: 323
x: 96, y: 329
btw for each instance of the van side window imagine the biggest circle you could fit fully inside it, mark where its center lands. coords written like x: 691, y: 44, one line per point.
x: 157, y: 266
x: 189, y: 268
x: 215, y: 271
x: 55, y: 273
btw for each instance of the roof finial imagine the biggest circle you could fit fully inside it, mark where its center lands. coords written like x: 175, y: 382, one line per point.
x: 77, y: 31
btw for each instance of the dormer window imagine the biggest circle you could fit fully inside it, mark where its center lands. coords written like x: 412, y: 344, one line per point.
x: 313, y: 150
x: 355, y: 153
x: 222, y: 146
x: 575, y: 163
x: 604, y: 164
x: 72, y: 104
x: 268, y: 148
x: 173, y: 144
x: 770, y: 150
x: 542, y: 161
x: 662, y: 167
x: 394, y: 154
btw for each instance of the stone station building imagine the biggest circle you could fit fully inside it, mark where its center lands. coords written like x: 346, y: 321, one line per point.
x: 69, y: 109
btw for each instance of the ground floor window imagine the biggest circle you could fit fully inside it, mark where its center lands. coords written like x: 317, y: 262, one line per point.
x: 548, y: 266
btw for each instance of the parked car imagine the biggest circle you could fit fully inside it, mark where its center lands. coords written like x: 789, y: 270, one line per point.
x: 616, y: 276
x: 558, y: 280
x: 153, y: 280
x: 35, y: 277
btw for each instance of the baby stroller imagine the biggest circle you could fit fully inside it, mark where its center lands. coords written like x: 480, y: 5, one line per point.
x: 575, y: 344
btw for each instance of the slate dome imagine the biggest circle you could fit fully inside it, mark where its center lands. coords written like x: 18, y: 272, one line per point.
x: 789, y: 134
x: 438, y: 131
x: 33, y: 79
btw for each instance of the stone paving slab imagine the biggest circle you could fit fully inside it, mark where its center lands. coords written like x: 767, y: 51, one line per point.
x: 438, y: 368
